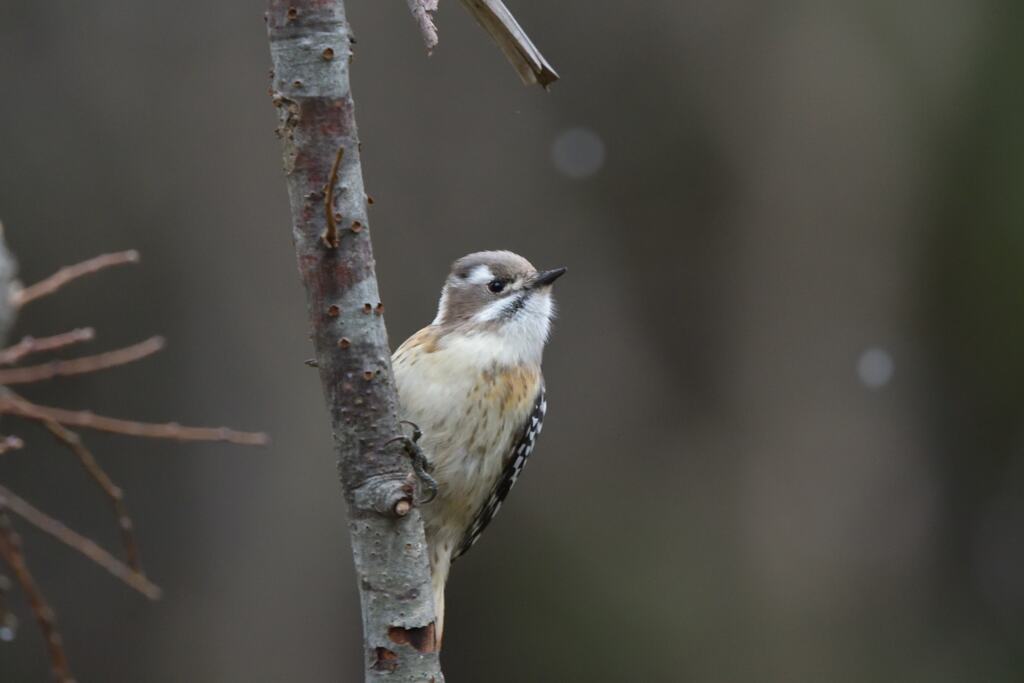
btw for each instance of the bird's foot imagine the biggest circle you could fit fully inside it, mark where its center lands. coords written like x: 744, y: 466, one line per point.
x: 421, y: 466
x: 417, y: 433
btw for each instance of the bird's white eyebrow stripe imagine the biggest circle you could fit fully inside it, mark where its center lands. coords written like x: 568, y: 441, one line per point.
x: 480, y: 275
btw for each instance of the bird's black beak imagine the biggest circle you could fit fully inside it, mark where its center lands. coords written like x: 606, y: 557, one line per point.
x: 546, y: 277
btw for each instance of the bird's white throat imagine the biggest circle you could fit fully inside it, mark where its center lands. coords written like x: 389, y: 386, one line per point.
x: 493, y: 337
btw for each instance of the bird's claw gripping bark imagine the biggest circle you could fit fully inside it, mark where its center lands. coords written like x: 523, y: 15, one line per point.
x: 417, y: 433
x: 421, y: 466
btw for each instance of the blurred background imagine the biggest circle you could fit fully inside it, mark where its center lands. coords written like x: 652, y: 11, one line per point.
x: 786, y: 428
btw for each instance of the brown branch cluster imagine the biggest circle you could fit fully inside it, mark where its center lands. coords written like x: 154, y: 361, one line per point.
x: 58, y: 422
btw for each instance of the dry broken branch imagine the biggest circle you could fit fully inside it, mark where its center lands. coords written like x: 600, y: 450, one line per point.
x: 79, y: 366
x: 40, y: 520
x: 503, y: 28
x: 12, y: 405
x: 30, y: 345
x: 68, y: 273
x: 422, y: 12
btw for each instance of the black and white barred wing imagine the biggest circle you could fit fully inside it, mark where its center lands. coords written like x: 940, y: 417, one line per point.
x: 515, y: 462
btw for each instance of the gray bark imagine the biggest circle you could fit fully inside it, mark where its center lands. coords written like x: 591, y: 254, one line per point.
x: 310, y: 43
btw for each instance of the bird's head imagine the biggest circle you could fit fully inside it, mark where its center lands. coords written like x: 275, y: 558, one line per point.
x: 501, y: 295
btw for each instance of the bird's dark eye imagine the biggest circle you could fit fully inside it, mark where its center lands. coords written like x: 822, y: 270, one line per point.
x: 496, y: 286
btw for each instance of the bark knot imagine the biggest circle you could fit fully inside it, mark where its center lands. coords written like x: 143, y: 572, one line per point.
x: 382, y: 493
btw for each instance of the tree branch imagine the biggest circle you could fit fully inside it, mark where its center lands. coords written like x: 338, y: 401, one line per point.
x: 10, y: 543
x: 15, y: 405
x: 40, y: 520
x: 310, y: 45
x: 30, y: 345
x: 79, y: 366
x: 113, y: 492
x: 422, y: 12
x: 14, y: 558
x: 508, y: 35
x: 69, y: 273
x: 54, y: 419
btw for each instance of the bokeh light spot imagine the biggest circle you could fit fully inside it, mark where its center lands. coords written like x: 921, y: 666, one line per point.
x: 578, y: 152
x: 875, y: 368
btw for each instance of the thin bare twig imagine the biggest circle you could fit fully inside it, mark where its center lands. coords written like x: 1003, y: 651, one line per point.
x: 13, y: 405
x: 39, y: 519
x: 30, y: 345
x: 69, y: 273
x: 106, y: 484
x: 10, y: 443
x: 10, y: 551
x: 79, y: 366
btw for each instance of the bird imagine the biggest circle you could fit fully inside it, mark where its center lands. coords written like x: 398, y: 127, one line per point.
x: 471, y: 383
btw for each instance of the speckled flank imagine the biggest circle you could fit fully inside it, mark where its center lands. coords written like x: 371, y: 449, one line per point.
x: 522, y: 447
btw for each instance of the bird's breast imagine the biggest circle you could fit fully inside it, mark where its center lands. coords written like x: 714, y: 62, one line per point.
x: 470, y: 413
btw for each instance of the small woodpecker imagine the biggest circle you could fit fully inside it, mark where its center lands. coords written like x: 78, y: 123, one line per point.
x: 471, y: 381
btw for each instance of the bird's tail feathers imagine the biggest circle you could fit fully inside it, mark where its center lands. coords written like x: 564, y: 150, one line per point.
x: 439, y: 608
